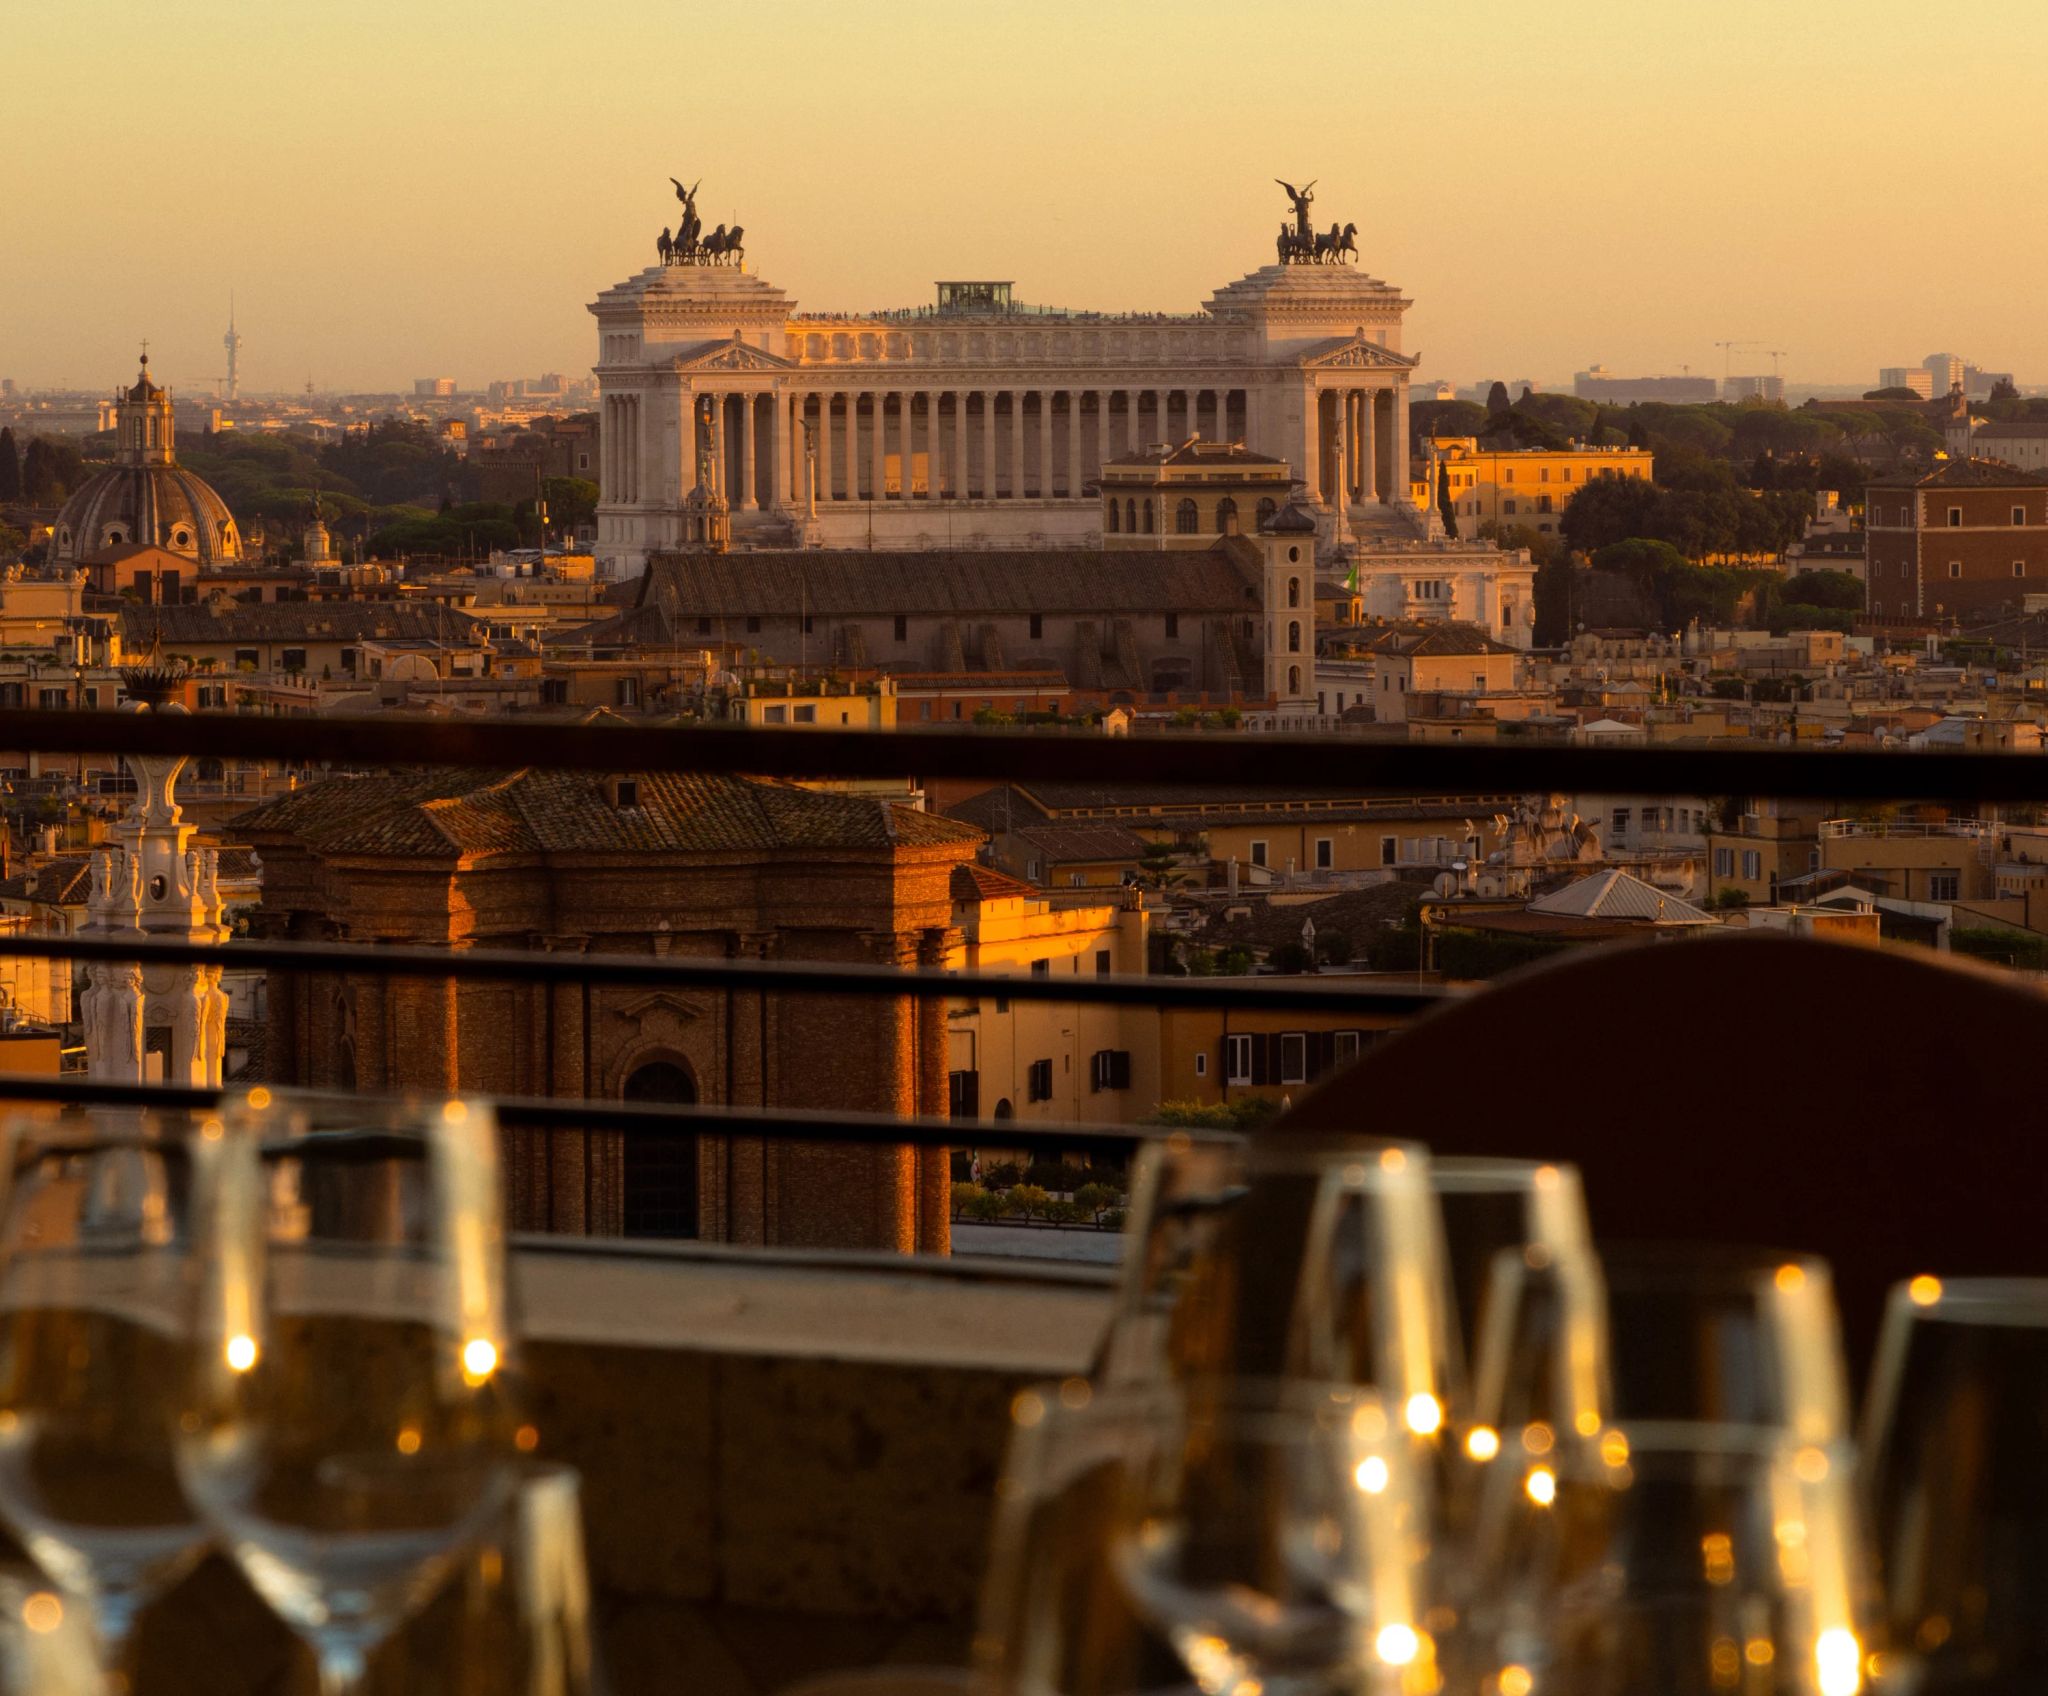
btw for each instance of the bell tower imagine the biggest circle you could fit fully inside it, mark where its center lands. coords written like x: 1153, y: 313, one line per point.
x: 1288, y: 541
x: 142, y: 431
x: 147, y: 1022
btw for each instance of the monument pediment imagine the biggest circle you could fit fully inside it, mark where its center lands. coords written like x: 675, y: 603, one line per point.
x: 729, y: 356
x: 1354, y: 353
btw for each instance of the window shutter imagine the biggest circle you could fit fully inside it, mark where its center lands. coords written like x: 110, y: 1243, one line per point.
x: 1262, y: 1069
x: 1120, y: 1068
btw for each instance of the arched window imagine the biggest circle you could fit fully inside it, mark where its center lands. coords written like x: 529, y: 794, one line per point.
x: 1185, y: 519
x: 1267, y: 508
x: 1131, y: 516
x: 1226, y: 516
x: 1148, y: 516
x: 1294, y: 636
x: 661, y: 1165
x: 1113, y: 515
x: 1294, y: 591
x: 1294, y: 680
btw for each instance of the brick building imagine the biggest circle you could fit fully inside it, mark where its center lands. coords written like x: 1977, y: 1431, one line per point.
x: 1174, y: 619
x: 675, y: 866
x: 1967, y: 539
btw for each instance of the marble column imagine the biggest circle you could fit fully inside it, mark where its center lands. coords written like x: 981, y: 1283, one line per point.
x: 1342, y: 457
x: 1369, y: 449
x: 1074, y: 422
x: 689, y: 449
x: 825, y: 445
x: 750, y: 487
x: 960, y: 474
x: 1132, y: 434
x: 719, y: 477
x: 878, y: 448
x: 1399, y: 446
x: 1045, y: 444
x: 853, y: 446
x: 1016, y: 444
x: 932, y: 447
x: 778, y: 449
x: 988, y: 444
x: 1312, y: 442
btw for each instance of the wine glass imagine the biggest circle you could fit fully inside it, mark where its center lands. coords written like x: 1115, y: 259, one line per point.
x: 1675, y: 1560
x: 1956, y: 1431
x: 1531, y: 1299
x: 354, y: 1425
x: 1289, y: 1256
x: 1053, y: 1619
x: 1724, y: 1335
x: 1273, y: 1531
x: 1269, y: 1530
x: 95, y: 1314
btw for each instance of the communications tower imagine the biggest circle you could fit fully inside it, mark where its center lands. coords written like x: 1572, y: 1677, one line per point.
x: 233, y: 343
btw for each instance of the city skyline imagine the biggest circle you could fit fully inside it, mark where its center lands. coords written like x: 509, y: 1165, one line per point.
x: 1015, y: 143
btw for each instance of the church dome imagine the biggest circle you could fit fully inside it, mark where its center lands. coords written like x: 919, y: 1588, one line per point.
x: 164, y: 506
x: 145, y: 497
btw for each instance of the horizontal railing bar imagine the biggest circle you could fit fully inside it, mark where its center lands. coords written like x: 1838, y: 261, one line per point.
x: 533, y: 1112
x: 777, y: 977
x: 1267, y: 762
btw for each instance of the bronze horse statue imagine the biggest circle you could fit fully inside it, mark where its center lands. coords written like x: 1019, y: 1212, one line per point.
x: 1331, y: 247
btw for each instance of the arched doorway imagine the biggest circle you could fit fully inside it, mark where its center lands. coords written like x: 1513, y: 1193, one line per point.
x: 1004, y: 1110
x: 661, y: 1165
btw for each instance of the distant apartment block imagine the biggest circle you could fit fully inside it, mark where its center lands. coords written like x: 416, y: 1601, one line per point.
x: 1736, y: 390
x: 1944, y: 371
x: 1599, y: 383
x: 1915, y: 377
x: 1978, y: 383
x: 433, y: 388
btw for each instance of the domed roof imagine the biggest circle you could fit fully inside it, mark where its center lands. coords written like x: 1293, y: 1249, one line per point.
x: 144, y: 389
x: 163, y: 506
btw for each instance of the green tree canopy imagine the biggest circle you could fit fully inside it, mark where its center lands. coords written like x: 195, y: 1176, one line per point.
x: 10, y: 467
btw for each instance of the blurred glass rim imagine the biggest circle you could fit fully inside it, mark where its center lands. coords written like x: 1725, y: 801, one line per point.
x: 1659, y: 1449
x: 1242, y: 1400
x: 1361, y: 1160
x: 2013, y: 1302
x: 28, y: 1137
x: 1656, y: 1267
x: 1489, y: 1174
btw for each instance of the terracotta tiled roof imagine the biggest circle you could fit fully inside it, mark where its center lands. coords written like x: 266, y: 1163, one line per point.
x: 1962, y: 474
x: 1409, y: 640
x: 857, y: 584
x: 1067, y: 844
x: 62, y: 882
x: 444, y: 813
x: 295, y: 621
x: 976, y: 882
x: 1354, y: 913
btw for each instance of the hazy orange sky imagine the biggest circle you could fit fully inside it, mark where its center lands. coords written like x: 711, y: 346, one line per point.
x: 399, y: 188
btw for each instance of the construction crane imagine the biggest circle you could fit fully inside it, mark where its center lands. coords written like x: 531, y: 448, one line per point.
x: 1726, y: 349
x: 1777, y: 353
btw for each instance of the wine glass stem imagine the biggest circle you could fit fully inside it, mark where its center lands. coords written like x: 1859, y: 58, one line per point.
x: 342, y: 1667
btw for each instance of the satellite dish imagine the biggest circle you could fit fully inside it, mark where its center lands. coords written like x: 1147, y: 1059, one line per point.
x: 1446, y: 883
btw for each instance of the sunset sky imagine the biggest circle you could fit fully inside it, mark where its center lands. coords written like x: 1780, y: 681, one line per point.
x: 402, y: 188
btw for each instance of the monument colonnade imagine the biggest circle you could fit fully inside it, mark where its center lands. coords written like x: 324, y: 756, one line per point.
x: 1011, y: 439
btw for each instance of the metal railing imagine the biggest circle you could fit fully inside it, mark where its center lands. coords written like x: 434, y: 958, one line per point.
x: 1273, y: 763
